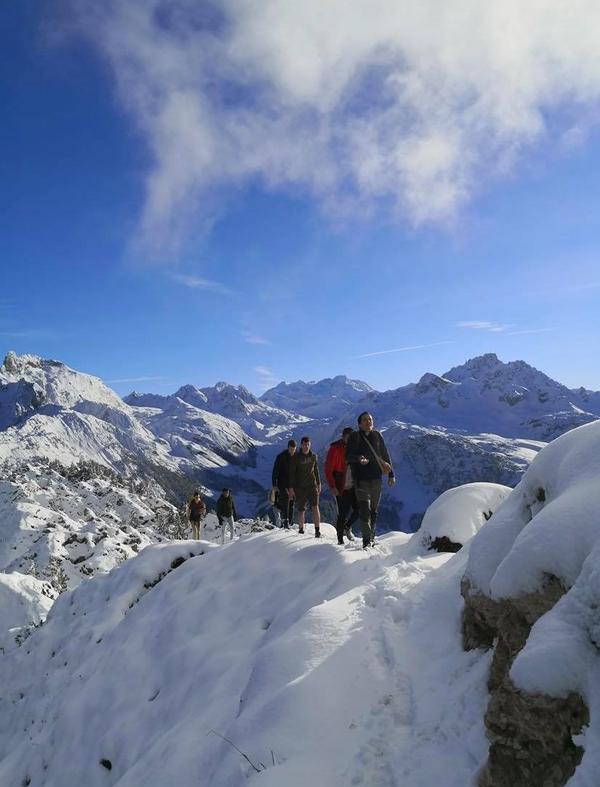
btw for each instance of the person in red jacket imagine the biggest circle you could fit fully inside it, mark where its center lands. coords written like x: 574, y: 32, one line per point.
x: 339, y: 480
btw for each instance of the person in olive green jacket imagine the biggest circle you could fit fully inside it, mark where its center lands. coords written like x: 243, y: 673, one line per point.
x: 305, y: 484
x: 226, y: 514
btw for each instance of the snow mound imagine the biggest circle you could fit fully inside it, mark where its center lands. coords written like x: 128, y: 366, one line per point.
x: 459, y: 513
x: 307, y: 657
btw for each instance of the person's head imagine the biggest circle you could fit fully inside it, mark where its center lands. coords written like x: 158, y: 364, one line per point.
x: 196, y: 494
x: 226, y: 493
x: 292, y: 447
x: 346, y: 433
x: 365, y: 421
x: 305, y: 445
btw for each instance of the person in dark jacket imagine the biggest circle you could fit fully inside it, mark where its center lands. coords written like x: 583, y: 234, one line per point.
x: 226, y: 514
x: 305, y: 484
x: 340, y: 483
x: 196, y: 511
x: 280, y: 481
x: 368, y: 457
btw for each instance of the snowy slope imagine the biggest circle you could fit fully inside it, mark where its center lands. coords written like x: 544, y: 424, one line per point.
x: 308, y: 658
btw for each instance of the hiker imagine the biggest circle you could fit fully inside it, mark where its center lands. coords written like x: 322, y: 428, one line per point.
x: 280, y: 482
x: 339, y: 479
x: 305, y: 484
x: 196, y: 511
x: 226, y: 514
x: 368, y: 457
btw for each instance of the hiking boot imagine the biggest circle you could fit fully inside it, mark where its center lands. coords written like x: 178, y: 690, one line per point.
x: 286, y: 527
x: 317, y: 533
x: 340, y: 542
x: 301, y: 531
x: 349, y: 535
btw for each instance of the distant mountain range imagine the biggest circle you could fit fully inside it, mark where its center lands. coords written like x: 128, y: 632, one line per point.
x: 481, y: 421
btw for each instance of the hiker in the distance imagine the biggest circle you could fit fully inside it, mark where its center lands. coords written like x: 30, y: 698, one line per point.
x: 226, y: 514
x: 339, y: 479
x: 280, y: 482
x: 305, y: 485
x: 368, y: 457
x: 196, y: 511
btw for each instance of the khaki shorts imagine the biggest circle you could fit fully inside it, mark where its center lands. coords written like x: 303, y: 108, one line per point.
x: 306, y: 494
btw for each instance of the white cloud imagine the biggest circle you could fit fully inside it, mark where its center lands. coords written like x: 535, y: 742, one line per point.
x: 252, y: 338
x: 484, y: 325
x: 411, y: 106
x: 195, y: 282
x: 267, y: 378
x: 402, y: 349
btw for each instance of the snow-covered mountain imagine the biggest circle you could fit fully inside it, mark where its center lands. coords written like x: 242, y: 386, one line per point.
x: 486, y: 395
x: 257, y: 418
x: 50, y: 410
x: 323, y: 399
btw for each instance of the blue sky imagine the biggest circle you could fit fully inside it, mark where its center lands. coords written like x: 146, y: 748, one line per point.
x: 271, y: 219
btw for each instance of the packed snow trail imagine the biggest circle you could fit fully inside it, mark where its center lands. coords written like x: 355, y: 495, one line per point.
x: 320, y: 663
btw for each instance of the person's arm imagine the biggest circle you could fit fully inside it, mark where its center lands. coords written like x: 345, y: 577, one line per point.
x: 234, y: 511
x: 353, y: 448
x: 386, y: 458
x: 329, y: 467
x: 317, y: 476
x: 276, y: 471
x: 292, y: 473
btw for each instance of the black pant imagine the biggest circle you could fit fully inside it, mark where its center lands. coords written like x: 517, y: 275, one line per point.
x: 286, y: 505
x: 368, y: 494
x: 346, y: 502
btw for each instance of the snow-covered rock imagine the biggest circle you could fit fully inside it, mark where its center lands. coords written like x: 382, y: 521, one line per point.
x: 532, y: 588
x: 457, y: 514
x: 24, y: 603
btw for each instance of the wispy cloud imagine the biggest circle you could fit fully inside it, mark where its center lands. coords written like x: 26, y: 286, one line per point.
x: 530, y: 330
x: 197, y: 283
x: 30, y: 333
x: 267, y: 378
x: 403, y: 349
x: 484, y: 325
x: 402, y: 107
x: 136, y: 380
x: 252, y: 338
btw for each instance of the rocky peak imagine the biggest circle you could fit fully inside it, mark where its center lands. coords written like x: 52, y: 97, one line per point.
x: 429, y: 381
x: 16, y: 365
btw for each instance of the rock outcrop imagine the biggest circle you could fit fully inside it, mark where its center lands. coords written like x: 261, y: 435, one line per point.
x: 531, y: 735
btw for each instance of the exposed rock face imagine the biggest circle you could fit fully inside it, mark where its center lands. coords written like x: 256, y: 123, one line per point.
x: 530, y: 735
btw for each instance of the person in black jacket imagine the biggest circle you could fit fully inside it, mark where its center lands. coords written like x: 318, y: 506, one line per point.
x: 368, y: 457
x: 226, y: 514
x: 280, y: 482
